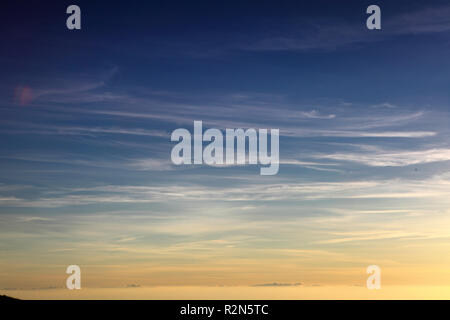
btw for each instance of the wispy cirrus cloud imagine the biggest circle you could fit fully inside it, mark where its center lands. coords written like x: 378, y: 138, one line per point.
x: 396, y: 158
x: 375, y: 189
x: 76, y: 89
x: 367, y: 235
x: 292, y: 120
x: 79, y: 160
x: 333, y: 35
x: 30, y: 128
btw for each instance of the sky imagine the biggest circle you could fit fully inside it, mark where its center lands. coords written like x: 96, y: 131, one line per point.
x: 86, y: 117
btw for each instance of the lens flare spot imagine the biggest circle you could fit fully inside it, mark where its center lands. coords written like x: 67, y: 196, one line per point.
x: 23, y: 95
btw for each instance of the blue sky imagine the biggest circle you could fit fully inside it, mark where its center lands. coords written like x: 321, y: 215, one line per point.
x: 86, y: 118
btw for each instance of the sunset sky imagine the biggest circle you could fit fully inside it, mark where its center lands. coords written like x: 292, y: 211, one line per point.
x: 85, y: 122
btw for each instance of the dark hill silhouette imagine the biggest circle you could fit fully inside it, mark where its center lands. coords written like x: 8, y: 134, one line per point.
x: 6, y: 298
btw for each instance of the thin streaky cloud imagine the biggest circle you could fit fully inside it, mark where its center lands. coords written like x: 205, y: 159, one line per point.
x: 388, y: 189
x: 398, y: 158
